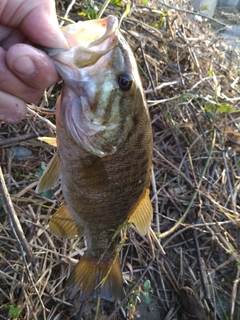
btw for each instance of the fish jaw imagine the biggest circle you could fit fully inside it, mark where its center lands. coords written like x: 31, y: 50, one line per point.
x: 88, y: 41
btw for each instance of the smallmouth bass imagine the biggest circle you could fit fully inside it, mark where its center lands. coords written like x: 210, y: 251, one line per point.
x: 104, y: 140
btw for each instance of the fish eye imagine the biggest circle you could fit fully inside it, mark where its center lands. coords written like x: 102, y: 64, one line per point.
x: 125, y: 81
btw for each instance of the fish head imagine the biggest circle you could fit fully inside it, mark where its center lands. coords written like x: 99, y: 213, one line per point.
x: 102, y: 86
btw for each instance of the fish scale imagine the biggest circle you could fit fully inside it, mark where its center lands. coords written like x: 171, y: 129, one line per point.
x: 104, y: 141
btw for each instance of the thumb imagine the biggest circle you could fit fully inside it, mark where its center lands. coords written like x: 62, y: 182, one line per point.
x: 41, y: 26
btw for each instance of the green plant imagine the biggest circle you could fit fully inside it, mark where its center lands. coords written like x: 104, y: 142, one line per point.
x: 89, y: 10
x: 142, y: 290
x: 13, y: 312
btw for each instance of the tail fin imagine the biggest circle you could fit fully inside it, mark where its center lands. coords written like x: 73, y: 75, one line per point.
x: 94, y: 278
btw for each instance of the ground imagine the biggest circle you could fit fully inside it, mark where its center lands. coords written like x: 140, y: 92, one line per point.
x: 188, y: 265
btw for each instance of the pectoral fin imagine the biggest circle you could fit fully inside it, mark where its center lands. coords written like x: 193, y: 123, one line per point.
x: 63, y: 225
x: 50, y: 175
x: 142, y: 214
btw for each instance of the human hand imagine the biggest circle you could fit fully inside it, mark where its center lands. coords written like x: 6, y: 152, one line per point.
x: 24, y: 70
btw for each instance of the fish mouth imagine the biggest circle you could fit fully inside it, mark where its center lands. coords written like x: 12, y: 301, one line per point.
x: 88, y: 42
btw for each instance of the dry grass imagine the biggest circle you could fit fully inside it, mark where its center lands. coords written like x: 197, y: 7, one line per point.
x: 195, y: 183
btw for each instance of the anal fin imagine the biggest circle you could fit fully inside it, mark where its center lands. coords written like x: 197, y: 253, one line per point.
x: 94, y: 278
x: 142, y: 214
x: 51, y: 175
x: 63, y: 225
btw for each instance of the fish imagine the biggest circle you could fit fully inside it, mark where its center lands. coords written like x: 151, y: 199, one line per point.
x: 104, y: 153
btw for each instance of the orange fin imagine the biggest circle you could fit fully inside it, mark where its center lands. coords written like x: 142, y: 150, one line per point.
x: 142, y: 214
x: 49, y: 140
x: 63, y: 225
x: 51, y: 175
x: 94, y: 278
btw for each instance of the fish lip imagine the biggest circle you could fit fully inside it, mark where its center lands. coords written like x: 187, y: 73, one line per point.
x: 88, y: 53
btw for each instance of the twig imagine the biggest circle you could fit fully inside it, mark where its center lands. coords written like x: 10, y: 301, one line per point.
x: 144, y: 58
x: 234, y: 293
x: 155, y: 201
x: 199, y: 261
x: 192, y: 13
x: 16, y: 226
x: 130, y: 292
x: 103, y: 8
x: 81, y: 310
x: 69, y: 8
x: 15, y: 140
x: 162, y: 85
x: 46, y: 121
x: 180, y: 221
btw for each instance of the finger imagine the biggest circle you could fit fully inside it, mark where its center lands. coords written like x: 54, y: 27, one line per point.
x: 12, y: 109
x: 36, y: 19
x: 44, y: 19
x: 10, y: 36
x: 31, y: 66
x: 11, y: 84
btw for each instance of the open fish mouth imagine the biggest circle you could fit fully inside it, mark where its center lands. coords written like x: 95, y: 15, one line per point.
x: 88, y: 41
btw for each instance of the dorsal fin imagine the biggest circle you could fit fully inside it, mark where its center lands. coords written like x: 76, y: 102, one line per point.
x: 142, y: 214
x: 63, y: 225
x: 51, y: 175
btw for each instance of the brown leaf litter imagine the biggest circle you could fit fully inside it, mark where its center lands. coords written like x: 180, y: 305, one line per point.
x: 192, y: 85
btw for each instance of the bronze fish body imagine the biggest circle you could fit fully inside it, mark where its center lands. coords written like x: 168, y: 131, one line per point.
x: 104, y: 140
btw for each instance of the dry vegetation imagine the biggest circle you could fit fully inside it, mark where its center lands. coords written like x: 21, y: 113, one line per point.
x: 192, y: 84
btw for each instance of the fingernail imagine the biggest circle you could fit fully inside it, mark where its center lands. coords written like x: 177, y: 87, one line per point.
x: 24, y: 65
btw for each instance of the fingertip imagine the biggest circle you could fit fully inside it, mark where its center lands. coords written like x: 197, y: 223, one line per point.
x: 33, y: 66
x: 12, y: 109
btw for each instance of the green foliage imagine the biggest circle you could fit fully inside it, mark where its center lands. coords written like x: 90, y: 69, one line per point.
x: 147, y: 298
x: 147, y: 285
x: 210, y: 73
x: 142, y: 291
x: 89, y: 10
x: 163, y: 21
x: 217, y: 107
x: 13, y: 311
x: 161, y: 24
x: 117, y: 3
x: 128, y: 9
x: 202, y: 8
